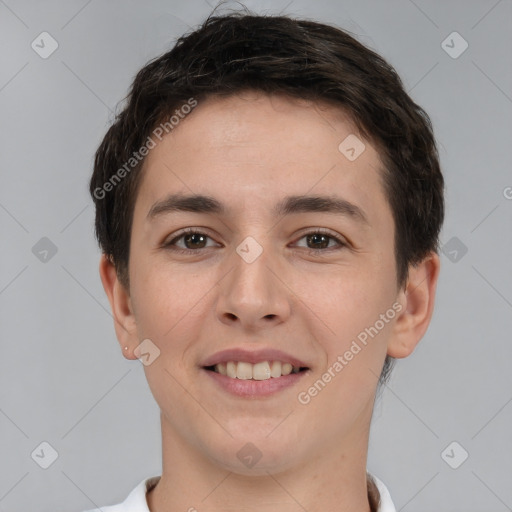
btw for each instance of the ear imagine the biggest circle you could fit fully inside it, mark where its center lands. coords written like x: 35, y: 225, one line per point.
x: 417, y: 300
x: 120, y: 303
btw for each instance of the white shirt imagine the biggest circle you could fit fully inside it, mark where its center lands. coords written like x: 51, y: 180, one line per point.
x: 136, y: 500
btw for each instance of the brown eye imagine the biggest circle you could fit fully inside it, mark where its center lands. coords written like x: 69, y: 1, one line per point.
x: 188, y: 241
x: 320, y: 241
x: 194, y: 240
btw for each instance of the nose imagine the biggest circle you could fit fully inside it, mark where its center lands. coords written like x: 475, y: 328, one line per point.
x: 253, y: 294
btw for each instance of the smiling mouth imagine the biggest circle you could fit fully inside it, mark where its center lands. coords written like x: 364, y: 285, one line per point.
x: 260, y: 371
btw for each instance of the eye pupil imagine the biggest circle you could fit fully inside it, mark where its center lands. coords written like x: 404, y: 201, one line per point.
x: 311, y: 238
x: 192, y: 237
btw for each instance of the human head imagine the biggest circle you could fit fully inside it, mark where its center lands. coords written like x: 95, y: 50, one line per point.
x: 298, y: 58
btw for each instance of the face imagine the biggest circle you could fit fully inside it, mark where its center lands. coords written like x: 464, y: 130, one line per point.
x: 302, y: 284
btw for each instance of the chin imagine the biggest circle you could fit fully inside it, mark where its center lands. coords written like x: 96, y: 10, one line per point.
x: 257, y: 454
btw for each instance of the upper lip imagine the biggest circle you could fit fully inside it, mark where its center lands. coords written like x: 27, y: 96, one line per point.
x: 252, y: 356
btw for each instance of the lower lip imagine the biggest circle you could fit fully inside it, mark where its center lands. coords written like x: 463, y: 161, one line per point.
x: 255, y: 388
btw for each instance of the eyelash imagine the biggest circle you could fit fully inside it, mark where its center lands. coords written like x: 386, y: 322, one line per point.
x: 192, y: 231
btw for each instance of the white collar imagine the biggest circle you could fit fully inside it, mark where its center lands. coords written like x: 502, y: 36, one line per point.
x: 136, y: 500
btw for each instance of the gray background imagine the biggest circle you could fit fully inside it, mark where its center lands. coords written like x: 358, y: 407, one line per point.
x: 63, y: 379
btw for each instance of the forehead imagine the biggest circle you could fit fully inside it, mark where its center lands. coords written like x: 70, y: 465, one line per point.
x: 251, y: 149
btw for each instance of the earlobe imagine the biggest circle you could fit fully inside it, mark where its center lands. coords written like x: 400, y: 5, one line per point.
x: 120, y: 304
x: 417, y: 299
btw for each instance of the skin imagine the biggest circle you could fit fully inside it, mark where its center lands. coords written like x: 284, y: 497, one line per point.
x: 191, y: 306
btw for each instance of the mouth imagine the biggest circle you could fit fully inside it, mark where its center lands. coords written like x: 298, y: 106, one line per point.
x: 253, y: 373
x: 263, y: 370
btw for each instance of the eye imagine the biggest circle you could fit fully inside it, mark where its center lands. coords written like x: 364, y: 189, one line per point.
x: 192, y: 240
x: 321, y: 239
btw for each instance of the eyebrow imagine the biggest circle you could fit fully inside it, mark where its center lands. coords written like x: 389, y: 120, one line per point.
x: 199, y: 203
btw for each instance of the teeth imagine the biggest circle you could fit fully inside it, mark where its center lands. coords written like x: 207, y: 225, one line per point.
x: 259, y: 371
x: 230, y: 369
x: 244, y: 371
x: 276, y: 369
x: 286, y: 369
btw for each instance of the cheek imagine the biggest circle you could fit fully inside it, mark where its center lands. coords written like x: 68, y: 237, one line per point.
x: 348, y: 304
x: 165, y: 300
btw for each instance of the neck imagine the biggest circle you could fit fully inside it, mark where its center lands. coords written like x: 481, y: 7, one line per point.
x: 334, y: 479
